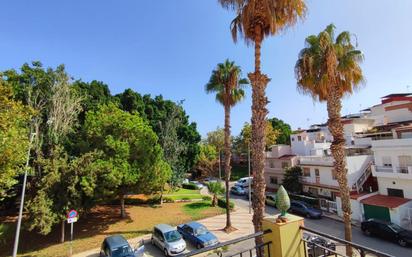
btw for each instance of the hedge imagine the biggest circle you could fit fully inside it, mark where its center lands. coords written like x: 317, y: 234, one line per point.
x: 309, y: 200
x: 206, y: 198
x: 221, y: 202
x: 190, y: 186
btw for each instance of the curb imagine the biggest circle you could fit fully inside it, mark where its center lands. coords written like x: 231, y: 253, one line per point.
x: 341, y: 221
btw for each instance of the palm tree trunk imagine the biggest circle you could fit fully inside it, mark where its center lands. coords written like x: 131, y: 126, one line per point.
x: 228, y: 155
x: 214, y: 200
x: 334, y: 107
x: 259, y: 112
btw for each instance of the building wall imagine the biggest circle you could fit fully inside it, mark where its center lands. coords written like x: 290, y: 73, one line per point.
x: 403, y: 184
x: 277, y: 171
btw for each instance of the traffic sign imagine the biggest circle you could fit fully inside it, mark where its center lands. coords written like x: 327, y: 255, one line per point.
x: 72, y: 214
x: 71, y: 220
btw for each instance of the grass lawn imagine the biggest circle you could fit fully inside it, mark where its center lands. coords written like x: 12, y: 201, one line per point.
x: 184, y: 194
x: 103, y: 221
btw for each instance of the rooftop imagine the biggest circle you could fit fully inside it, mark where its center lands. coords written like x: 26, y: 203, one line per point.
x: 385, y: 201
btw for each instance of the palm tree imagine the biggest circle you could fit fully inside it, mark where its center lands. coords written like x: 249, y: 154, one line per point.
x: 255, y: 20
x: 216, y: 189
x: 328, y: 69
x: 225, y: 81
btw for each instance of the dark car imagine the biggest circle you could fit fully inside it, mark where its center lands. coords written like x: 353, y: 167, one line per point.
x: 236, y: 190
x: 305, y: 209
x: 387, y: 230
x: 270, y: 200
x: 117, y: 246
x: 197, y: 234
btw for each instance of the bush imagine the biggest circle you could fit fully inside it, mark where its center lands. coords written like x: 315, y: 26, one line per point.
x: 136, y: 201
x: 168, y: 200
x: 6, y: 233
x: 309, y: 200
x: 206, y: 198
x: 190, y: 186
x: 221, y: 202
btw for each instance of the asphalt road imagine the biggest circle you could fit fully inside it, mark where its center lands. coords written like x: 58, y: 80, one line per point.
x: 335, y: 228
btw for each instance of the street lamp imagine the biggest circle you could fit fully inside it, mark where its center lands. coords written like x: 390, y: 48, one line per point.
x: 250, y: 191
x: 16, y: 240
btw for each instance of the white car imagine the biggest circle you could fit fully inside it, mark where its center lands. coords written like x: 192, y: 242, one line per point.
x: 244, y: 182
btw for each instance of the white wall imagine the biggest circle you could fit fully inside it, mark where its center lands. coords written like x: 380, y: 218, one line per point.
x: 356, y: 207
x: 356, y: 166
x: 403, y: 184
x: 400, y: 215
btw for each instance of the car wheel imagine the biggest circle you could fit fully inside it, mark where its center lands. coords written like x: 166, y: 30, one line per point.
x: 198, y: 246
x: 165, y: 252
x: 367, y: 232
x: 402, y: 242
x: 308, y: 215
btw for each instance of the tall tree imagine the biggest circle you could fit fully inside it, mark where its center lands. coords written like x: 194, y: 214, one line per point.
x: 284, y: 130
x: 255, y: 20
x: 291, y: 180
x: 14, y: 138
x: 246, y: 136
x: 327, y: 69
x: 131, y: 158
x: 227, y: 84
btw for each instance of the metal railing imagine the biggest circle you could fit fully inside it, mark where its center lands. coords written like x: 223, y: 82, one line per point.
x: 250, y: 252
x: 326, y: 245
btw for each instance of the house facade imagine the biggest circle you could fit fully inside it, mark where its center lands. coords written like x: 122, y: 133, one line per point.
x: 278, y: 159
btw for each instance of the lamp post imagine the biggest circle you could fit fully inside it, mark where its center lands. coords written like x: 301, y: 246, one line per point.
x: 16, y: 240
x: 249, y: 191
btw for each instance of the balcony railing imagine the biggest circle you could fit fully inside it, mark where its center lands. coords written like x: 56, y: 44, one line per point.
x: 320, y: 244
x: 256, y: 250
x: 388, y: 169
x: 316, y: 160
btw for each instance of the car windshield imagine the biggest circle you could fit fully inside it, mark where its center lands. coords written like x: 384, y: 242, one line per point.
x: 395, y: 227
x: 172, y: 236
x: 201, y: 231
x: 122, y: 251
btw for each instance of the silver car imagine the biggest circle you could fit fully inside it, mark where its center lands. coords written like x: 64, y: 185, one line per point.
x: 168, y: 239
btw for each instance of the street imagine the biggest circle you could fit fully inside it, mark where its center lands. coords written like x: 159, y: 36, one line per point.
x: 335, y: 228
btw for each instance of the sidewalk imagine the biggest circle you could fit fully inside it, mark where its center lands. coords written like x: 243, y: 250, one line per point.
x: 337, y: 218
x: 241, y: 220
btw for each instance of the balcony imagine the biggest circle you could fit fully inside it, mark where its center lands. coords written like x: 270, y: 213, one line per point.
x: 392, y: 172
x: 316, y: 160
x: 400, y: 143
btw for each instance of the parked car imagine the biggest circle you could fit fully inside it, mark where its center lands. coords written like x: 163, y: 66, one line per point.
x: 198, y: 184
x: 211, y: 180
x: 316, y: 245
x: 197, y: 234
x: 305, y: 209
x: 117, y: 246
x: 168, y: 239
x: 270, y: 200
x: 387, y: 230
x: 236, y: 190
x: 244, y: 182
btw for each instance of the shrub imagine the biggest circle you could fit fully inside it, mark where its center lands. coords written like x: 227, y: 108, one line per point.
x: 168, y: 200
x: 309, y: 200
x: 190, y: 186
x: 206, y: 198
x: 6, y: 232
x: 186, y: 199
x: 221, y: 202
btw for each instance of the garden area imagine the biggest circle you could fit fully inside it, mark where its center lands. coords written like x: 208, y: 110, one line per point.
x: 104, y: 221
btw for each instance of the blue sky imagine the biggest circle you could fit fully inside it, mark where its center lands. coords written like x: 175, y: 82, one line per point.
x: 170, y: 47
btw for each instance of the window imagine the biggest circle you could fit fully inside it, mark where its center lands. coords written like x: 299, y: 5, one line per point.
x: 405, y: 161
x: 395, y: 192
x: 271, y: 164
x: 299, y: 138
x: 285, y: 165
x: 306, y: 172
x: 386, y: 161
x: 274, y: 180
x: 317, y: 172
x: 334, y: 174
x: 293, y: 138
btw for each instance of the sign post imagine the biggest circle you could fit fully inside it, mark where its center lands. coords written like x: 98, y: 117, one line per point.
x: 72, y: 217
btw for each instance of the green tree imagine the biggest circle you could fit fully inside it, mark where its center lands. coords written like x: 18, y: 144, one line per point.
x: 206, y: 161
x: 132, y: 160
x: 216, y: 138
x: 256, y: 20
x: 215, y: 188
x: 291, y: 180
x: 284, y: 130
x: 14, y: 138
x: 245, y: 136
x: 227, y: 84
x: 328, y: 68
x: 157, y: 111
